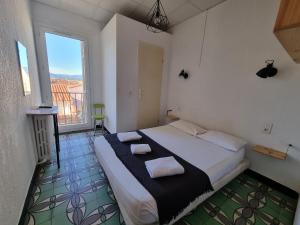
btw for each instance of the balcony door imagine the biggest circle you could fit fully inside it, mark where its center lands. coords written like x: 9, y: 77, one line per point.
x: 67, y: 80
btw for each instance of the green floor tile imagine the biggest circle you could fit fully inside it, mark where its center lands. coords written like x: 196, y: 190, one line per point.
x: 114, y: 220
x: 41, y: 196
x: 213, y: 221
x: 45, y: 187
x: 199, y: 216
x: 88, y: 196
x: 92, y: 206
x: 49, y: 222
x: 218, y: 199
x: 102, y: 196
x: 60, y: 190
x: 61, y: 219
x: 42, y: 217
x: 286, y: 215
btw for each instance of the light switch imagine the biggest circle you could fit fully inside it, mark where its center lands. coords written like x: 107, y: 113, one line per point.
x: 267, y: 128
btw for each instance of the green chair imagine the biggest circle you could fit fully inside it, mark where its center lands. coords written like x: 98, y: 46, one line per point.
x: 98, y: 115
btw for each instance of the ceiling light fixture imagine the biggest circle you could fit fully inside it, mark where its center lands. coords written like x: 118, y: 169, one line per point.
x: 157, y: 18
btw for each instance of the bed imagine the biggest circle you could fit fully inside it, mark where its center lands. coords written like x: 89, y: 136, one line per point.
x: 136, y: 203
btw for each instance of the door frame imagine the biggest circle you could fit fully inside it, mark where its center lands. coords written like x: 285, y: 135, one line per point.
x: 43, y: 65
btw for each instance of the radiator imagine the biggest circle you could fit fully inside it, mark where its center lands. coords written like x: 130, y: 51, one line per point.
x: 42, y: 138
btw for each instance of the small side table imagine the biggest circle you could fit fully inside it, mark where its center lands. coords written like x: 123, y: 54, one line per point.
x: 53, y: 111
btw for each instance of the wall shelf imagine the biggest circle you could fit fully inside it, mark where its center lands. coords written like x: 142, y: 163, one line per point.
x: 270, y: 152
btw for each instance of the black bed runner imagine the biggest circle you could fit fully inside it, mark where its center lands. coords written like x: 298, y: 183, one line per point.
x: 173, y: 193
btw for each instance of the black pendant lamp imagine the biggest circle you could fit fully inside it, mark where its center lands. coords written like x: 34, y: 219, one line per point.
x: 157, y: 18
x: 268, y: 71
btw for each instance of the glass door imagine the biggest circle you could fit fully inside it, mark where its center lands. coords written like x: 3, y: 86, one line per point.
x: 66, y: 63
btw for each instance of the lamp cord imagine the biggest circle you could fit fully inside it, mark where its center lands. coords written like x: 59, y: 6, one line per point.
x: 203, y: 37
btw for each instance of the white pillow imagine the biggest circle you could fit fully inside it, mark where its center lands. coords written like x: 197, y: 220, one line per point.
x: 224, y: 140
x: 188, y: 127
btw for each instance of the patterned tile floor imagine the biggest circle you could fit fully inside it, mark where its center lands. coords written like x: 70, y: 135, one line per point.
x: 79, y: 193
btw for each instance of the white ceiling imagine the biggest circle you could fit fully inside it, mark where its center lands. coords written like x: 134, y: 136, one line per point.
x: 102, y: 10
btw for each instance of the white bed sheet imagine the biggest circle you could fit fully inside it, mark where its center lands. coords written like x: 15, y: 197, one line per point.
x: 139, y: 204
x: 213, y: 159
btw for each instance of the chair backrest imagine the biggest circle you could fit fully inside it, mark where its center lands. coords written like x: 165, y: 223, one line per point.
x: 98, y: 106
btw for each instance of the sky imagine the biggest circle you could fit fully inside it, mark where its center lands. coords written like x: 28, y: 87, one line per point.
x: 23, y: 56
x: 64, y: 55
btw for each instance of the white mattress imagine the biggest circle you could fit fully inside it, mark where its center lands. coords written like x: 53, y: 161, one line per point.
x: 139, y: 204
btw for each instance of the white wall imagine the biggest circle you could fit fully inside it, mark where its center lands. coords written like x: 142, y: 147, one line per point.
x: 224, y: 93
x: 129, y: 33
x: 109, y: 71
x: 68, y: 23
x: 17, y: 147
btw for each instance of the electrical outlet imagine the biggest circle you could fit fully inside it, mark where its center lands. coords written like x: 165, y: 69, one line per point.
x: 267, y: 128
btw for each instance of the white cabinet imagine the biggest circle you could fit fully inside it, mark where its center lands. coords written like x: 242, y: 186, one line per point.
x: 120, y: 41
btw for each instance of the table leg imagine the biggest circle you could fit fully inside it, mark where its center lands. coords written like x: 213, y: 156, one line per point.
x: 56, y: 135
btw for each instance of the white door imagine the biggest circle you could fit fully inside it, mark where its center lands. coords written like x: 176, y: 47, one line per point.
x: 150, y: 77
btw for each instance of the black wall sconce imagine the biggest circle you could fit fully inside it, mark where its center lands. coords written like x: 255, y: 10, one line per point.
x: 183, y: 74
x: 268, y: 71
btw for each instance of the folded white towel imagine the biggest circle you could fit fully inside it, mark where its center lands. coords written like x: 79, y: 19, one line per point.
x: 161, y: 167
x: 128, y: 136
x: 140, y: 148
